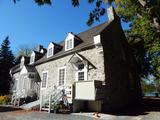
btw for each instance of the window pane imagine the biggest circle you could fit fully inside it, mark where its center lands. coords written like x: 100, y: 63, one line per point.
x: 61, y: 76
x: 80, y: 75
x: 69, y: 44
x: 80, y: 66
x: 44, y: 80
x: 50, y: 50
x: 32, y: 59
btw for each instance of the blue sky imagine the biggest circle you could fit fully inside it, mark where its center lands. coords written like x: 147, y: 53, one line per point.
x: 26, y: 23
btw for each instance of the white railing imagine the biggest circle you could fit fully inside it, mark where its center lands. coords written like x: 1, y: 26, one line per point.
x: 17, y: 95
x: 54, y: 94
x: 50, y: 93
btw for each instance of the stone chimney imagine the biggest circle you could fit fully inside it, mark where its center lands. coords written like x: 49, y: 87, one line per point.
x: 111, y: 13
x: 39, y: 48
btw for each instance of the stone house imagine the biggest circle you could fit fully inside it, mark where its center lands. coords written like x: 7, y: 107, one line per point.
x: 93, y: 70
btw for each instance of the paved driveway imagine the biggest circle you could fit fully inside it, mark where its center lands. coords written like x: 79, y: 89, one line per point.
x: 35, y: 115
x: 149, y: 109
x: 22, y: 115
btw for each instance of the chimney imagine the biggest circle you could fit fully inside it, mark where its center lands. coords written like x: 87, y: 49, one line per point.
x: 40, y: 47
x: 111, y: 13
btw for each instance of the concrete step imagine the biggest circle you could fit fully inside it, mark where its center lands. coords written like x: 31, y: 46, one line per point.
x: 31, y: 105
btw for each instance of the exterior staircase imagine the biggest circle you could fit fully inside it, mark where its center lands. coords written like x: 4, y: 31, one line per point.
x: 49, y: 102
x: 16, y: 98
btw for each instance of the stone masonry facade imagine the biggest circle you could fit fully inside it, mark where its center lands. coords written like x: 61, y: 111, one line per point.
x: 92, y: 55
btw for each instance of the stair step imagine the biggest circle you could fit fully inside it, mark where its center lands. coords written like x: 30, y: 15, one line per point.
x: 45, y: 109
x: 46, y: 106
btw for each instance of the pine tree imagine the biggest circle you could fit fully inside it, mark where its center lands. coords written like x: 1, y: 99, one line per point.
x: 6, y: 62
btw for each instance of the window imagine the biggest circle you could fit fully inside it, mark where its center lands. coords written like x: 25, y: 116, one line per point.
x: 80, y: 66
x: 42, y: 51
x: 22, y: 63
x: 80, y: 76
x: 69, y: 41
x: 50, y: 52
x: 32, y: 59
x: 69, y: 44
x: 81, y: 72
x: 44, y: 79
x: 61, y: 76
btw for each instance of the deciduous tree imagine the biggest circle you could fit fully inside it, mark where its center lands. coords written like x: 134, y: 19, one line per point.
x: 144, y: 19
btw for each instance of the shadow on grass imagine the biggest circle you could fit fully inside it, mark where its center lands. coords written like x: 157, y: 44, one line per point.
x: 8, y: 109
x: 147, y: 104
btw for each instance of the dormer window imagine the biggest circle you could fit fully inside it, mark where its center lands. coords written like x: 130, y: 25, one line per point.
x: 32, y: 58
x: 22, y: 62
x: 69, y: 42
x: 50, y: 50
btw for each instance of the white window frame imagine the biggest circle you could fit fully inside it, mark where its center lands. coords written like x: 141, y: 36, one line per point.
x: 64, y: 75
x: 46, y: 80
x: 70, y: 37
x: 51, y: 46
x: 32, y: 59
x: 83, y: 70
x: 22, y: 62
x: 69, y: 42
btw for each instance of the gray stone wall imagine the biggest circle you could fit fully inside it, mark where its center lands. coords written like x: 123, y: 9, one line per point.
x: 120, y: 87
x: 95, y: 68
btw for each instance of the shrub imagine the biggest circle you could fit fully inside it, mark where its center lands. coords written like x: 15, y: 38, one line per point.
x: 4, y: 100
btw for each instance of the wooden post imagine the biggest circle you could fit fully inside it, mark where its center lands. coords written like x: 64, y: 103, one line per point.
x: 19, y: 101
x: 49, y: 109
x: 41, y: 102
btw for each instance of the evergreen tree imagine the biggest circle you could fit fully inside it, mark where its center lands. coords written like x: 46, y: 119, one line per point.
x: 6, y: 62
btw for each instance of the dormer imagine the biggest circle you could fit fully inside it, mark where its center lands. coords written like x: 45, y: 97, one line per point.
x: 52, y: 49
x: 71, y: 41
x: 32, y: 58
x: 41, y: 49
x: 22, y: 62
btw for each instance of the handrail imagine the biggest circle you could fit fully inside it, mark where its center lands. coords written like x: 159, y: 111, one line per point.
x: 53, y: 95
